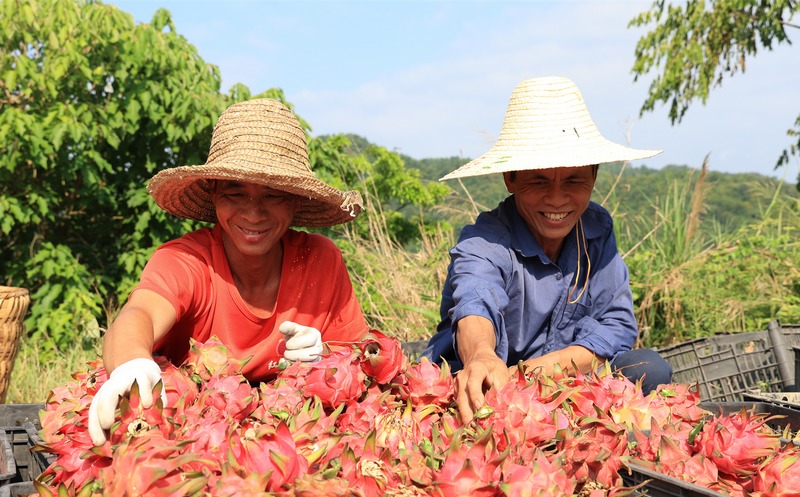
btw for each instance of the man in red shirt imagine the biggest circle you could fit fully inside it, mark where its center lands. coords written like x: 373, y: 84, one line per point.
x: 250, y: 280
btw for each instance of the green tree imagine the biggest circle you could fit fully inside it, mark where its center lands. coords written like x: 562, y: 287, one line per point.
x: 92, y: 105
x: 694, y: 46
x: 392, y: 190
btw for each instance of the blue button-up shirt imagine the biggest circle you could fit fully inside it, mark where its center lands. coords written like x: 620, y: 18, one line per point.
x: 498, y: 270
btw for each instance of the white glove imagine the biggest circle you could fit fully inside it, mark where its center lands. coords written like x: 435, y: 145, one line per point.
x: 145, y: 372
x: 303, y: 343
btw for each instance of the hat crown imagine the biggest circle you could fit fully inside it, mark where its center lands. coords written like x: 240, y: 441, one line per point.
x: 544, y: 109
x: 260, y: 134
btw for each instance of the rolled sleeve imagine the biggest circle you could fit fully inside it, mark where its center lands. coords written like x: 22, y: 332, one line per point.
x: 478, y: 288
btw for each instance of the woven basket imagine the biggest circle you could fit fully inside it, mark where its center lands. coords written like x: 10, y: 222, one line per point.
x: 13, y: 306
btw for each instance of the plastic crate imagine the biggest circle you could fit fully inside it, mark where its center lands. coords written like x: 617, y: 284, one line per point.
x: 28, y: 464
x: 19, y: 425
x: 18, y: 414
x: 655, y: 484
x: 789, y: 400
x: 726, y: 366
x: 781, y: 417
x: 791, y: 333
x: 660, y: 485
x: 414, y: 348
x: 20, y: 489
x: 8, y: 467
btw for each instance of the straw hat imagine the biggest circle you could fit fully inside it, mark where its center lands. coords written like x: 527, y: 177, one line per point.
x: 547, y: 125
x: 257, y: 141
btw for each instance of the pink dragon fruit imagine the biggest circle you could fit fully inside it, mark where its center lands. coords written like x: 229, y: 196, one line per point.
x: 738, y: 443
x: 334, y: 378
x: 382, y: 357
x: 427, y: 383
x: 780, y: 474
x: 210, y: 358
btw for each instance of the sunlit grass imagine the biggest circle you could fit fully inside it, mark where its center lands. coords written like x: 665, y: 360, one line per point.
x: 32, y: 379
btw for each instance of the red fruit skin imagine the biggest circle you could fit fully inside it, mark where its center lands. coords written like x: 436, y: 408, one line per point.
x: 737, y: 443
x: 382, y: 357
x: 333, y: 379
x: 230, y: 395
x: 426, y: 383
x: 780, y: 475
x: 270, y: 451
x: 209, y: 358
x: 176, y: 384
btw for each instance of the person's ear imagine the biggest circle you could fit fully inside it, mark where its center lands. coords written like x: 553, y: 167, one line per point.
x: 509, y: 181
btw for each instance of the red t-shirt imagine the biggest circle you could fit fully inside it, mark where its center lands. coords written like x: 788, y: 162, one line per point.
x: 193, y: 274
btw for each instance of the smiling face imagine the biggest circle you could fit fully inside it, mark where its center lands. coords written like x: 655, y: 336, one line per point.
x: 253, y: 218
x: 551, y: 201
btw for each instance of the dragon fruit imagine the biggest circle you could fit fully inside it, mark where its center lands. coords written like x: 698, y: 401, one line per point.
x: 382, y: 357
x: 780, y: 474
x: 738, y: 443
x: 363, y: 421
x: 427, y: 383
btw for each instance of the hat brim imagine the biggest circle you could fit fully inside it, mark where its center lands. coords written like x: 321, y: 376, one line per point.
x: 504, y: 157
x: 185, y: 192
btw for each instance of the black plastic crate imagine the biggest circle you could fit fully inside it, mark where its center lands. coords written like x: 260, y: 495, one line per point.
x: 660, y: 485
x: 789, y: 400
x: 781, y: 417
x: 18, y: 414
x: 8, y: 467
x: 414, y: 348
x: 20, y: 489
x: 28, y: 464
x: 726, y: 366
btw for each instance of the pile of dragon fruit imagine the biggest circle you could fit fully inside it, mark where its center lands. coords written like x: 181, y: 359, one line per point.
x: 366, y: 421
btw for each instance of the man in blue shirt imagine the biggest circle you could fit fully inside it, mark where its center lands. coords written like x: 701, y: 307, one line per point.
x: 539, y: 279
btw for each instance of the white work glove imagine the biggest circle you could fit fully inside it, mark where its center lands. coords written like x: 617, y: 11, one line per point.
x: 102, y: 413
x: 303, y: 343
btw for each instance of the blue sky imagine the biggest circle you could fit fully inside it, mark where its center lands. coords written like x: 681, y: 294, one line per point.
x: 433, y: 78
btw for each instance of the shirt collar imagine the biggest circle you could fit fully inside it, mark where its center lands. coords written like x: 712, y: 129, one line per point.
x: 595, y: 223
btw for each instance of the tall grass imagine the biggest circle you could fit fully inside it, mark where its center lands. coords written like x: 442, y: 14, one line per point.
x: 688, y: 283
x: 32, y: 379
x: 398, y: 289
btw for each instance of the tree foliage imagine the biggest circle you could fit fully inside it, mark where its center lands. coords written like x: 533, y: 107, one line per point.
x: 693, y: 47
x: 92, y: 105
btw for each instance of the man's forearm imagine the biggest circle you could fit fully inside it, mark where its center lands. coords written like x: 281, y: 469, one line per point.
x: 569, y: 359
x: 474, y: 337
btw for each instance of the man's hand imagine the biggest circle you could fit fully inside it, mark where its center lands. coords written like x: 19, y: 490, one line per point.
x: 303, y: 343
x: 484, y: 371
x: 145, y: 372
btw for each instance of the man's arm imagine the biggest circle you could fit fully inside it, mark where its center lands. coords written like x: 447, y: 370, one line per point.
x: 475, y: 339
x: 143, y: 320
x: 128, y: 357
x: 569, y: 359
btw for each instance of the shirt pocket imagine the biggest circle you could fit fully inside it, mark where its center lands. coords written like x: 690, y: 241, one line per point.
x: 573, y: 313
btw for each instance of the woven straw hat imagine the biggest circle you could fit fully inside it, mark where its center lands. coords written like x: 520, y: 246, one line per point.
x: 547, y: 125
x: 257, y: 141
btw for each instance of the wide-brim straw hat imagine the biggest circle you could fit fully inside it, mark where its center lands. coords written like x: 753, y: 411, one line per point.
x: 547, y: 125
x: 257, y: 141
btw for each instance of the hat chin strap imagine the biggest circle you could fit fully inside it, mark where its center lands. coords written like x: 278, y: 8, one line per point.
x: 349, y: 204
x: 578, y: 239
